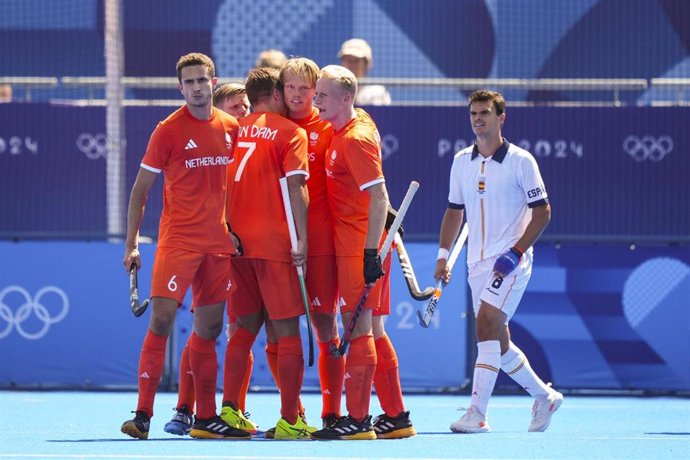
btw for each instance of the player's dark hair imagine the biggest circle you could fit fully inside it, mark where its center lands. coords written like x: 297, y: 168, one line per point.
x: 483, y: 95
x: 193, y: 59
x: 260, y: 84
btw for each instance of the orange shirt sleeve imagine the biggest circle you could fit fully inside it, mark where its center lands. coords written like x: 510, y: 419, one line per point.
x: 158, y: 150
x: 364, y: 161
x: 296, y: 160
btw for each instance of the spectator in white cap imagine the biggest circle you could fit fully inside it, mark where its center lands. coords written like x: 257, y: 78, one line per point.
x: 355, y: 55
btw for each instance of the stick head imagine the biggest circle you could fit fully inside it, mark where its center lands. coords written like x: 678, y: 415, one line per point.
x: 138, y: 310
x: 335, y: 351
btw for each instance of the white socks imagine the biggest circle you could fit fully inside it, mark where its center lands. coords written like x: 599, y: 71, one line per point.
x: 515, y: 364
x: 485, y: 373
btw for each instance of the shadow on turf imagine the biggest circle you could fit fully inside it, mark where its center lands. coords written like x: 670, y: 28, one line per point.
x: 120, y: 440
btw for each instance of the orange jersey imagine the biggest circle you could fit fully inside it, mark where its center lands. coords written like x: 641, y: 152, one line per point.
x: 319, y: 226
x: 193, y: 155
x: 353, y: 163
x: 268, y: 147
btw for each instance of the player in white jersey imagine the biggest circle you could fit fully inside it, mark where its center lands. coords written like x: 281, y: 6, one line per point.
x: 500, y: 187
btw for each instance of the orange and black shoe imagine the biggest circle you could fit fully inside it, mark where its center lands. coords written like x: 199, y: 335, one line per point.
x: 347, y: 429
x: 138, y: 427
x: 397, y: 427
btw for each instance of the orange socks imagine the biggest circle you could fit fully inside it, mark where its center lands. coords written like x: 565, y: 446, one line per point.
x: 272, y: 358
x: 245, y: 383
x: 204, y: 364
x: 185, y: 392
x: 359, y: 375
x: 291, y: 374
x: 331, y: 374
x: 387, y: 378
x: 151, y: 362
x: 237, y: 357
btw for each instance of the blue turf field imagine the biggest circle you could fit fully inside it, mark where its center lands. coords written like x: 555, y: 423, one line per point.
x: 87, y: 425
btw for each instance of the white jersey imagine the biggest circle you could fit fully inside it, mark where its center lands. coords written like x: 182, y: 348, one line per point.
x: 496, y: 194
x: 372, y: 95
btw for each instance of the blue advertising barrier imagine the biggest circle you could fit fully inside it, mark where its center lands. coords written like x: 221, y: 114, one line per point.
x: 65, y: 321
x: 422, y: 353
x: 593, y: 317
x: 64, y: 316
x: 611, y: 173
x: 608, y: 317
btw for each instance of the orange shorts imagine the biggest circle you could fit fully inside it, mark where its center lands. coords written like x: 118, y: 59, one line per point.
x: 322, y: 284
x: 384, y: 308
x: 175, y: 270
x: 259, y: 284
x: 351, y: 284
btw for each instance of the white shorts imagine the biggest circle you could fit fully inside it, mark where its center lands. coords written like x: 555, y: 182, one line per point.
x: 502, y: 293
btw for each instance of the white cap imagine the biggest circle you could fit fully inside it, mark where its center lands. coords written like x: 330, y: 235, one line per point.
x: 355, y: 47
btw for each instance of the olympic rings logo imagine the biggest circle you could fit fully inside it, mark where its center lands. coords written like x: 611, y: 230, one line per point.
x: 648, y: 147
x: 31, y: 306
x: 93, y: 146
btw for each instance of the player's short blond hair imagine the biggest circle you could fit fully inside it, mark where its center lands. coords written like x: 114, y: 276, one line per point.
x: 192, y: 59
x: 341, y: 76
x: 227, y: 90
x: 303, y: 67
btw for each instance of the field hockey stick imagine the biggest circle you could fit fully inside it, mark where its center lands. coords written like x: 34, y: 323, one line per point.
x: 300, y: 271
x: 408, y: 272
x: 425, y: 319
x: 340, y: 351
x: 137, y: 309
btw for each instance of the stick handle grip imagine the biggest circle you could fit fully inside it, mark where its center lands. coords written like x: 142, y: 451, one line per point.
x: 290, y: 218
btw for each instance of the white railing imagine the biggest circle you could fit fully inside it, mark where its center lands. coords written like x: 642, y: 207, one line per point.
x: 614, y: 86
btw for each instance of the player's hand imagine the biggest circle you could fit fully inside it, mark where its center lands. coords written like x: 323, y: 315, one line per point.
x: 132, y: 256
x: 372, y: 266
x: 507, y: 262
x: 390, y: 217
x: 441, y: 272
x: 299, y: 256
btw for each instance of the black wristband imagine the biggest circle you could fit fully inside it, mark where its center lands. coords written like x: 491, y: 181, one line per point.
x: 371, y: 252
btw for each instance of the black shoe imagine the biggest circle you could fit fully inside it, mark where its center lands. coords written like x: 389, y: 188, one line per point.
x: 181, y: 422
x: 138, y: 427
x: 329, y: 420
x: 216, y: 428
x: 397, y: 427
x: 347, y: 428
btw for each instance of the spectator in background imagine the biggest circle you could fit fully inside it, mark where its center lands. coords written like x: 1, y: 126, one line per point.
x: 272, y: 58
x: 355, y: 55
x: 5, y: 93
x: 232, y: 98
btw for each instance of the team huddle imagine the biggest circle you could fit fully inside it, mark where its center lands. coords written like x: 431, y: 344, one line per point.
x: 224, y: 233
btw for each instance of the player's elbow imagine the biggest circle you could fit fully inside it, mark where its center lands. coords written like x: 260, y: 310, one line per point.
x: 542, y: 214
